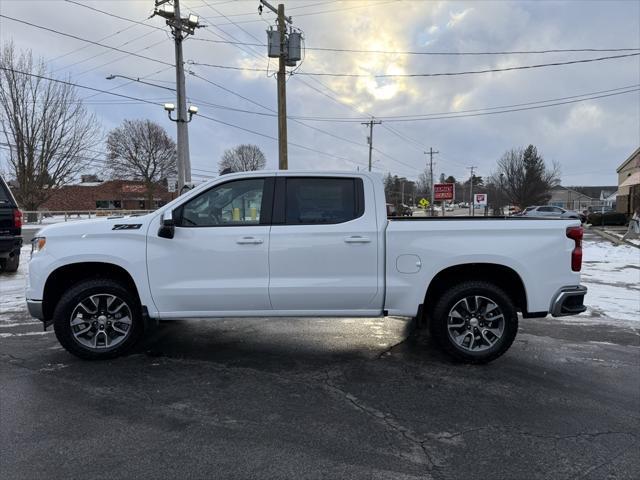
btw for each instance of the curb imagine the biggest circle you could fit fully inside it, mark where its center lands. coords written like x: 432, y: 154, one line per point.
x: 612, y: 238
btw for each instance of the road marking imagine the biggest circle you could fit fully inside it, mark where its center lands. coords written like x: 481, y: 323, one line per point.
x: 6, y: 335
x: 8, y: 325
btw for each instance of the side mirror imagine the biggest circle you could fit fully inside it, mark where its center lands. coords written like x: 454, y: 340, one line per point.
x: 167, y: 225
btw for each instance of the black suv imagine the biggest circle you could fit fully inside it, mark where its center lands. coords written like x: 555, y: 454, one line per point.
x: 10, y: 230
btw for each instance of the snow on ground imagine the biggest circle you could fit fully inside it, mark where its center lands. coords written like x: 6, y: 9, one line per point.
x: 611, y: 273
x: 12, y: 290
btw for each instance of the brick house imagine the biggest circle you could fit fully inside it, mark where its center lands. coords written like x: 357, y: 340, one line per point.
x: 92, y: 194
x: 629, y: 183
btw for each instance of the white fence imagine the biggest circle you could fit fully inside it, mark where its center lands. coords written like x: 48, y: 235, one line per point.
x: 47, y: 217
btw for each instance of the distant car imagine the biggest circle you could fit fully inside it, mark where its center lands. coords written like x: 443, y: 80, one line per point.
x: 405, y: 210
x: 10, y: 230
x: 391, y: 210
x: 552, y: 211
x: 450, y: 207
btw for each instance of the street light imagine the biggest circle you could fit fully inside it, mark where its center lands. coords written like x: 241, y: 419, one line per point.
x: 112, y: 77
x: 170, y: 107
x: 192, y: 20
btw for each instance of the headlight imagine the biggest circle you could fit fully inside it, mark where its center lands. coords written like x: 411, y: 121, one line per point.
x: 37, y: 244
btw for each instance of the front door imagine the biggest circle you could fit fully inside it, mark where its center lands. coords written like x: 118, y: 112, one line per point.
x: 217, y: 261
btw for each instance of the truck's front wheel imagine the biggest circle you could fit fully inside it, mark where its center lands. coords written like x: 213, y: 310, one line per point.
x: 98, y: 319
x: 474, y: 321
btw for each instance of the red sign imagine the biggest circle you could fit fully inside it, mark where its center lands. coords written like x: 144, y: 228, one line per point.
x: 443, y: 191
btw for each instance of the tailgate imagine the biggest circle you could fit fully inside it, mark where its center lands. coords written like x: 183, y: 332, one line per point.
x: 6, y: 221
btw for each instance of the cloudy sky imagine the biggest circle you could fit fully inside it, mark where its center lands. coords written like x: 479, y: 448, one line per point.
x: 589, y: 139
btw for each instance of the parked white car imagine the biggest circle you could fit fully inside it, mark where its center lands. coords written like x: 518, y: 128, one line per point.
x: 301, y: 244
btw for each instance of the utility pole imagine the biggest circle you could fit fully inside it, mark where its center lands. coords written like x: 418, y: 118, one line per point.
x: 471, y: 203
x: 184, y: 162
x: 371, y: 123
x: 283, y: 162
x: 431, y: 153
x: 287, y: 48
x: 180, y: 29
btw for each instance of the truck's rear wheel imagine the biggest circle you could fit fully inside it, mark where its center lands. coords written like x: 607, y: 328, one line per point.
x: 12, y: 263
x: 474, y: 321
x: 98, y: 319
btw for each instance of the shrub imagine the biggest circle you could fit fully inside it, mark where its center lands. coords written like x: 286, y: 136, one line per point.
x: 608, y: 218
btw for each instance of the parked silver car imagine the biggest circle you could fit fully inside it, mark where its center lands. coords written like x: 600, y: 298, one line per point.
x: 551, y: 211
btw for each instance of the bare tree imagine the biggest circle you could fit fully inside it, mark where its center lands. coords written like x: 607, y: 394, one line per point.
x: 523, y: 178
x: 141, y: 150
x: 48, y: 132
x: 243, y: 158
x: 423, y: 185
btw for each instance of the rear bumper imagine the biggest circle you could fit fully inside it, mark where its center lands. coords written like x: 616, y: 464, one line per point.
x: 569, y: 301
x: 9, y: 245
x: 35, y: 309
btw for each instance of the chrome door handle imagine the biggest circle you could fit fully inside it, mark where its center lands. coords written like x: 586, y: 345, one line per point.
x: 357, y: 239
x: 249, y: 241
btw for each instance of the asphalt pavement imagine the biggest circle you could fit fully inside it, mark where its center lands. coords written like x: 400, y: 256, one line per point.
x: 321, y: 398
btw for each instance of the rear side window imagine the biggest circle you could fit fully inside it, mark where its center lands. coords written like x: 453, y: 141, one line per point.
x: 323, y: 200
x: 4, y: 194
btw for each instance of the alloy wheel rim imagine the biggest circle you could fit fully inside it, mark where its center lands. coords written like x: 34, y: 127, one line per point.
x: 475, y: 323
x: 101, y: 321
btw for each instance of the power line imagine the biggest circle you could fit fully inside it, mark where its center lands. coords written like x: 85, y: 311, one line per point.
x: 77, y: 85
x: 115, y: 15
x: 324, y: 11
x: 515, y: 109
x: 120, y: 57
x: 468, y: 72
x: 86, y: 40
x: 424, y: 75
x: 252, y: 13
x: 416, y: 115
x: 436, y: 53
x: 482, y: 111
x: 304, y: 147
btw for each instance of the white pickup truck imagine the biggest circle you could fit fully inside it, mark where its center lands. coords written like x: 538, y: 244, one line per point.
x: 301, y: 244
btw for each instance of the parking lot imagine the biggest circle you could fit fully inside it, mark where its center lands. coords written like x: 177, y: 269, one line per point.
x: 330, y: 398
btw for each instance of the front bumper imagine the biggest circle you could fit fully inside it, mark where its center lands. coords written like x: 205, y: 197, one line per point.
x: 35, y: 309
x: 569, y: 301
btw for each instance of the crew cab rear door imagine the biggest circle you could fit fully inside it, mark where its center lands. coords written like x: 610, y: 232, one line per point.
x: 323, y: 247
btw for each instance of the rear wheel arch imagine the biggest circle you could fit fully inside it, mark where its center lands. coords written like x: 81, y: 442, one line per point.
x: 66, y: 276
x: 502, y: 276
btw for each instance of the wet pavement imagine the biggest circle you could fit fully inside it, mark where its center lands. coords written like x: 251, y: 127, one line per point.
x: 321, y: 398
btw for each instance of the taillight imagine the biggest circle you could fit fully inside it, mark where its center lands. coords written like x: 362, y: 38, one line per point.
x: 576, y: 234
x: 17, y: 218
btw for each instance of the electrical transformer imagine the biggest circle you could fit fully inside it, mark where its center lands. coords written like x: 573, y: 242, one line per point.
x: 294, y: 50
x: 273, y: 43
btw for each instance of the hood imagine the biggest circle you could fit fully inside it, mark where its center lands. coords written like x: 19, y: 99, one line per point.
x: 98, y: 226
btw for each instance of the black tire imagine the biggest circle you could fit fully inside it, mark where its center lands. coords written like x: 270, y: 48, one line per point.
x: 11, y: 264
x: 71, y: 299
x: 439, y: 321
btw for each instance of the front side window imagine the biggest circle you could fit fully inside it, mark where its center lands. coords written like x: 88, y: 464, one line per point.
x: 320, y: 200
x: 234, y: 203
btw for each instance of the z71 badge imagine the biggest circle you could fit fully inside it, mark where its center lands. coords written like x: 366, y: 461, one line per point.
x: 127, y: 226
